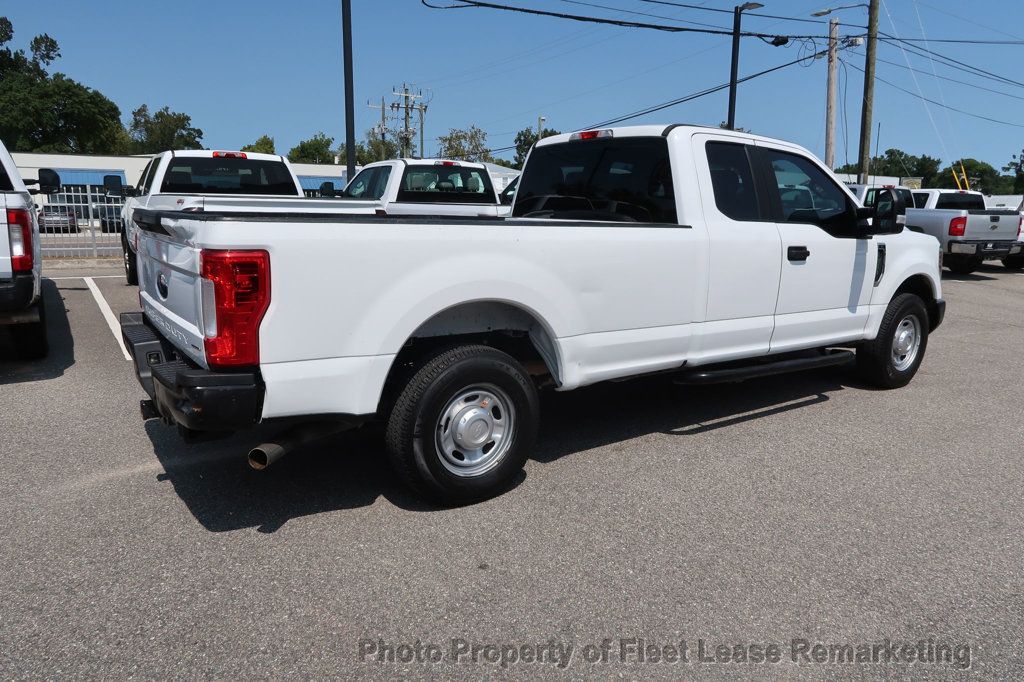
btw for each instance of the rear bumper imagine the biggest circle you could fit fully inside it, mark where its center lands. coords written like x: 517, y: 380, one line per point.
x: 983, y: 250
x: 187, y: 395
x: 16, y: 294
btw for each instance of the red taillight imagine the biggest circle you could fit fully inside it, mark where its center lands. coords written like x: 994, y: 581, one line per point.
x: 19, y: 229
x: 957, y: 226
x: 236, y: 294
x: 229, y: 155
x: 446, y: 163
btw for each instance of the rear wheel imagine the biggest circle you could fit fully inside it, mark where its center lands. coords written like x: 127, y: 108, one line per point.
x: 30, y: 339
x: 892, y: 358
x: 462, y: 427
x: 1014, y: 262
x: 131, y: 263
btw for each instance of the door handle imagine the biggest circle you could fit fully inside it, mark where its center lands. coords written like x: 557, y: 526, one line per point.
x: 798, y: 253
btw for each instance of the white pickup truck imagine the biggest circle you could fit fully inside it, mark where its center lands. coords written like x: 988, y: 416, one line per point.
x: 22, y: 308
x: 968, y: 233
x: 630, y: 251
x: 423, y: 187
x: 238, y: 182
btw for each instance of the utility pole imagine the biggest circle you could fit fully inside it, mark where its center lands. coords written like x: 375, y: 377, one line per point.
x: 422, y: 108
x: 382, y: 127
x: 830, y: 99
x: 350, y: 107
x: 406, y: 106
x: 864, y: 160
x: 540, y: 127
x: 737, y: 13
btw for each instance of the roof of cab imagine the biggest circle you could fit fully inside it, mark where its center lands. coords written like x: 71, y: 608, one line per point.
x: 428, y: 162
x: 672, y: 129
x: 208, y: 154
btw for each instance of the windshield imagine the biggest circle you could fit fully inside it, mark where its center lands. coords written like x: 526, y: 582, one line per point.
x: 443, y: 183
x: 196, y: 175
x: 626, y: 179
x: 961, y: 201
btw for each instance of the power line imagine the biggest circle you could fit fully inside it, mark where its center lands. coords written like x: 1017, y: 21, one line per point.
x: 613, y: 22
x: 951, y: 80
x: 948, y: 61
x: 642, y: 14
x: 748, y: 14
x: 931, y: 101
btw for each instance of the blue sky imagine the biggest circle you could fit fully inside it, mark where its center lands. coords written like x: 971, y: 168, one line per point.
x: 245, y: 68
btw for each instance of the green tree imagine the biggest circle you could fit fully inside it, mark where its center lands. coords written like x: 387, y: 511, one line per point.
x: 898, y: 163
x: 983, y: 177
x: 377, y: 149
x: 469, y: 145
x: 525, y: 139
x: 1016, y: 166
x: 44, y: 113
x: 263, y: 145
x: 316, y: 149
x: 166, y: 129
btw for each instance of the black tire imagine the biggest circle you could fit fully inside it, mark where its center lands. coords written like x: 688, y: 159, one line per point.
x: 415, y: 428
x: 876, y: 362
x: 1014, y: 262
x: 30, y: 339
x: 131, y: 263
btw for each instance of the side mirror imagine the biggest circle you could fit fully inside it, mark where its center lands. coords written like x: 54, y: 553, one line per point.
x: 113, y: 186
x: 887, y: 211
x: 327, y: 189
x: 49, y: 181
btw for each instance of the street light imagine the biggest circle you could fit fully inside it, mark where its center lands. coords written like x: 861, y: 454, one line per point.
x: 737, y: 11
x: 826, y: 12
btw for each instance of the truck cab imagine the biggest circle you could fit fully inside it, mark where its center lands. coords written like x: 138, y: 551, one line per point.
x: 426, y: 187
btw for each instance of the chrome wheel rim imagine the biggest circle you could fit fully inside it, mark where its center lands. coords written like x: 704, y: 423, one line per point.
x: 906, y: 342
x: 475, y: 429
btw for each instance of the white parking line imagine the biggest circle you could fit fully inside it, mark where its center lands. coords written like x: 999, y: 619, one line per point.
x: 57, y: 279
x: 108, y: 315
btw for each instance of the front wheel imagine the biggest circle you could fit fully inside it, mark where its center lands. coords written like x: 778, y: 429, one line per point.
x: 463, y: 426
x: 893, y: 357
x: 131, y: 263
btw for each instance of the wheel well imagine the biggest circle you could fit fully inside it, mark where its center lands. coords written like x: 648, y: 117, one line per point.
x: 921, y: 286
x: 500, y: 325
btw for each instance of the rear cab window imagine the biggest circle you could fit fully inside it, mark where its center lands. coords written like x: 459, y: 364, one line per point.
x: 5, y: 180
x: 961, y: 202
x: 227, y: 175
x: 604, y: 179
x: 732, y: 180
x: 920, y: 199
x: 445, y: 183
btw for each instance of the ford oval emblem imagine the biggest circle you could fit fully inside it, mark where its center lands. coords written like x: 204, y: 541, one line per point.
x: 161, y: 285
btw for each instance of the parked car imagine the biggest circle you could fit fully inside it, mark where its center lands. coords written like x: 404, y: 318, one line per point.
x: 968, y: 233
x: 57, y: 218
x: 629, y: 251
x: 22, y: 307
x: 441, y: 187
x: 109, y: 216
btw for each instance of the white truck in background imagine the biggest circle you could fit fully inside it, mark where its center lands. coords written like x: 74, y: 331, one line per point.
x: 969, y: 234
x: 630, y: 251
x: 233, y: 182
x: 409, y: 187
x: 22, y: 307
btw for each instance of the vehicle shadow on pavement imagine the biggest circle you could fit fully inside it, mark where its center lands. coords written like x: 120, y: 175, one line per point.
x: 609, y: 413
x: 350, y: 470
x: 213, y: 478
x: 62, y: 345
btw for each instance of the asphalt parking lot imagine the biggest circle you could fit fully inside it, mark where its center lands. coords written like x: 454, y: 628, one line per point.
x: 804, y: 507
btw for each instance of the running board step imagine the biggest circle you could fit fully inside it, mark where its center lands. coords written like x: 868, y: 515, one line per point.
x: 733, y: 372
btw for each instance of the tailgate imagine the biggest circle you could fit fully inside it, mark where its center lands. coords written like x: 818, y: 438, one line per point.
x: 992, y: 225
x: 169, y: 285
